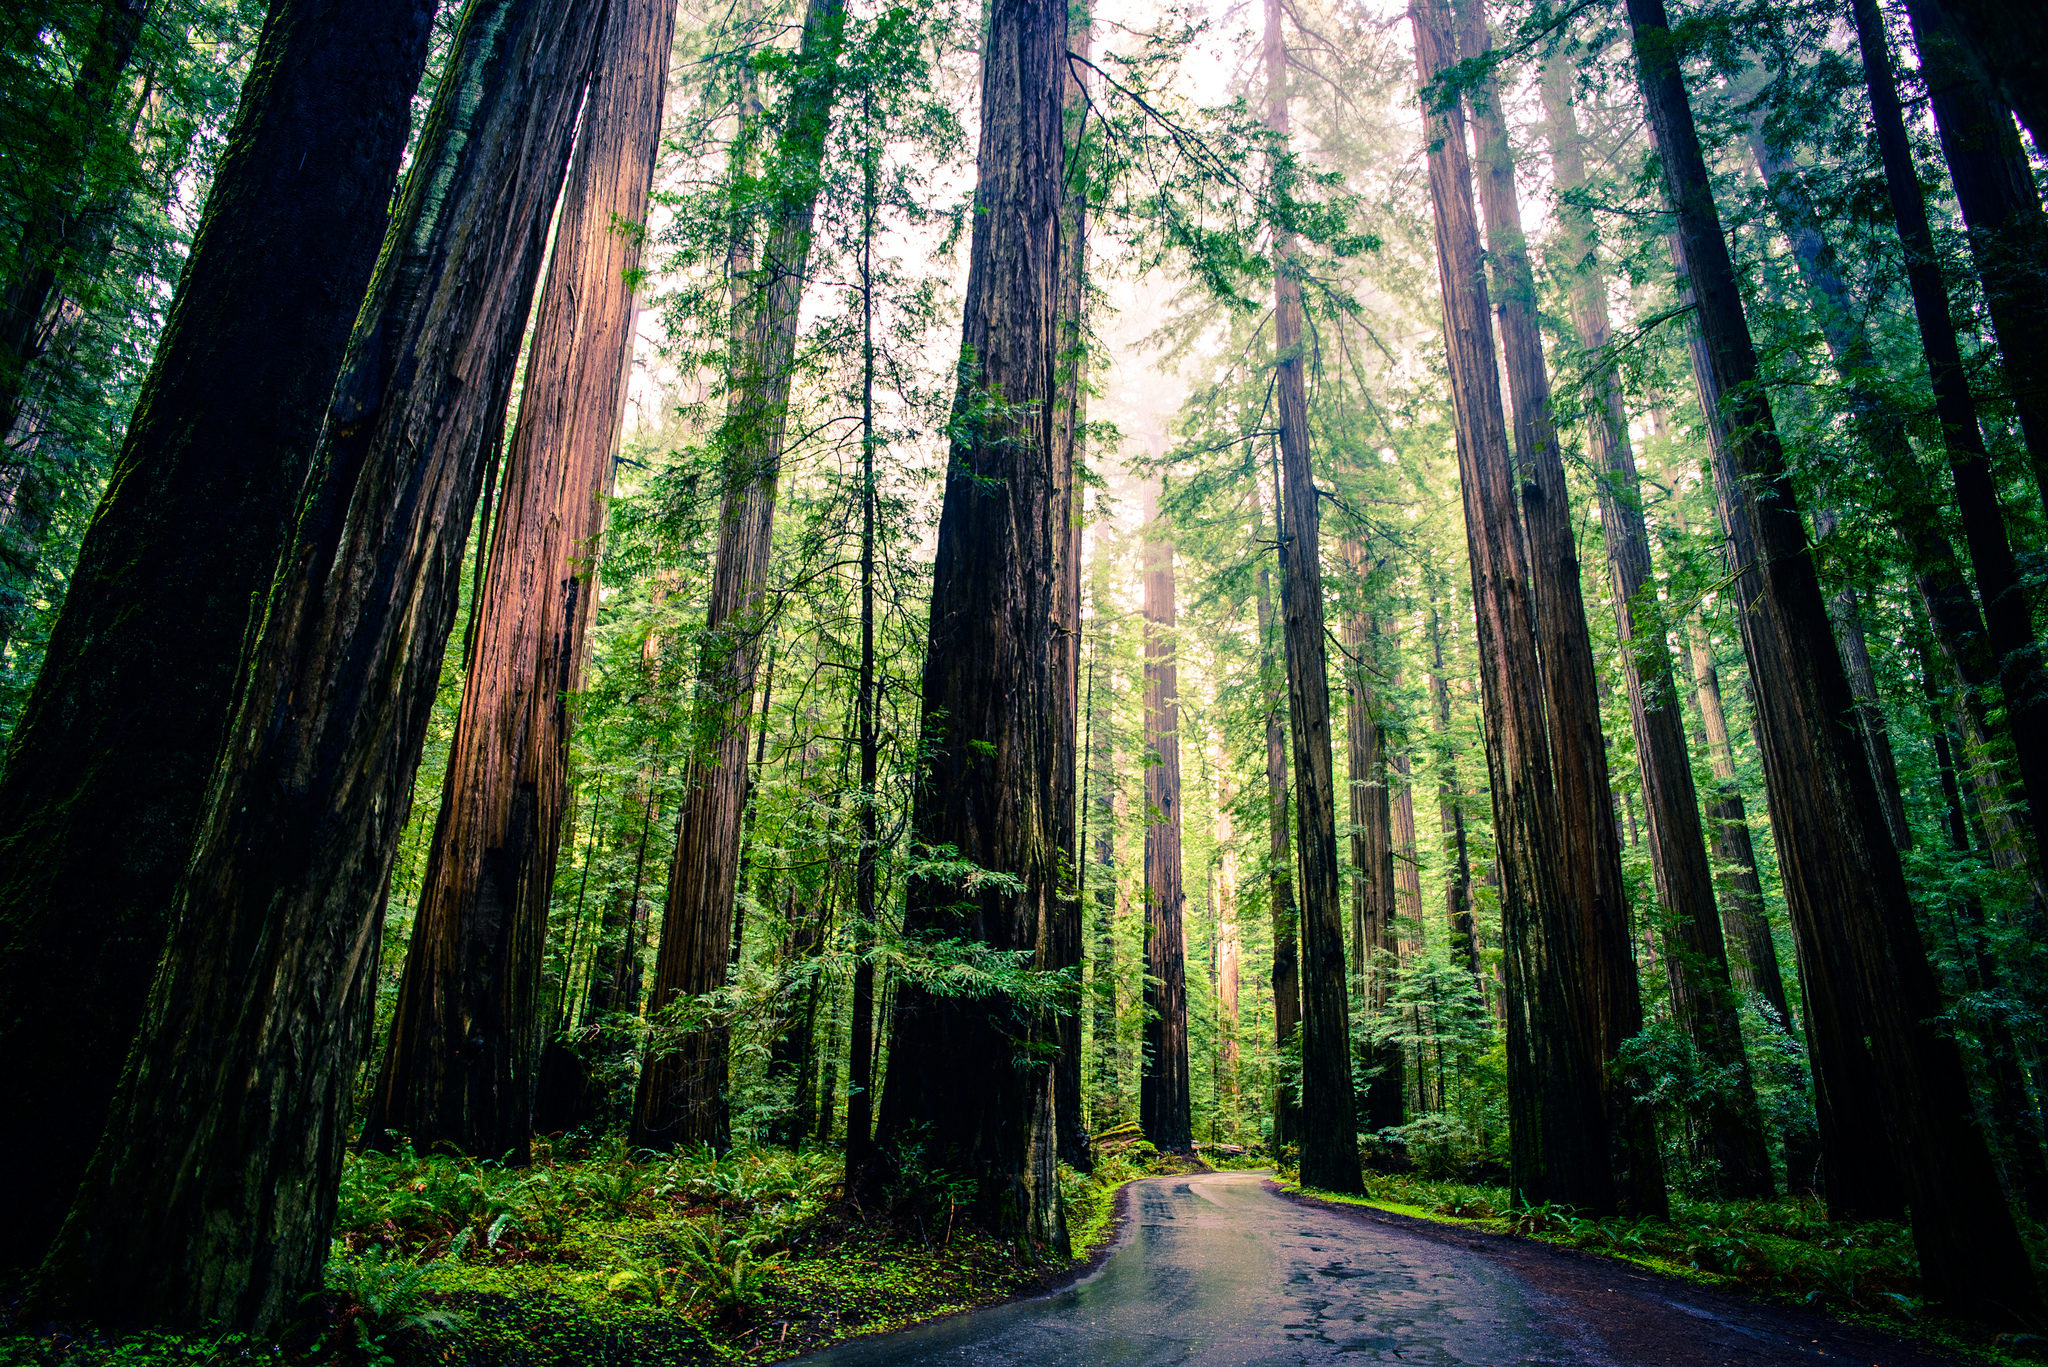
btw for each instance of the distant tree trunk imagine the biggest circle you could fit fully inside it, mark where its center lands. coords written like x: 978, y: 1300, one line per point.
x: 682, y: 1096
x: 68, y: 196
x: 1871, y: 997
x: 1375, y: 952
x: 1163, y: 1096
x: 467, y: 1031
x: 140, y: 663
x: 210, y: 1197
x: 2001, y: 206
x: 1845, y: 611
x: 1229, y: 953
x: 1329, y: 1144
x: 1102, y: 971
x: 2008, y: 606
x: 967, y: 1076
x: 1589, y: 842
x: 1697, y: 959
x: 860, y: 1057
x: 1557, y: 1093
x: 1279, y: 852
x: 1071, y: 419
x: 1450, y: 806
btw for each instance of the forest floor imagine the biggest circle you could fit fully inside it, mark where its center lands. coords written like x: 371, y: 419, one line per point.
x: 1783, y: 1253
x: 617, y: 1257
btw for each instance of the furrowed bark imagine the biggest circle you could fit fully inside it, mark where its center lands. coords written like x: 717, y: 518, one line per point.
x: 1375, y: 951
x: 1329, y: 1146
x: 210, y: 1198
x: 1869, y: 989
x: 109, y: 763
x: 1589, y: 843
x: 466, y: 1033
x: 967, y: 1080
x: 1286, y: 918
x: 682, y: 1096
x: 1163, y: 1097
x: 1696, y: 958
x: 1557, y: 1095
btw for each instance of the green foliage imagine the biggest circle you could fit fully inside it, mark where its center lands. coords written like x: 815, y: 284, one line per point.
x: 384, y: 1295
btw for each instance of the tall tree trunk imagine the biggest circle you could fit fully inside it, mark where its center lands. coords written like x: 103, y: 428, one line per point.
x: 466, y: 1031
x: 1902, y: 485
x: 1163, y: 1095
x: 141, y: 662
x: 1588, y: 840
x: 2008, y: 606
x: 1697, y: 957
x: 1450, y: 806
x: 1375, y: 950
x: 1845, y: 612
x: 2001, y: 206
x: 1101, y: 798
x: 210, y: 1197
x: 2007, y: 45
x: 1557, y: 1093
x: 860, y: 1059
x: 1071, y: 419
x: 682, y: 1097
x: 62, y: 210
x: 1229, y: 952
x: 1871, y: 997
x: 1329, y: 1142
x: 966, y: 1079
x: 1279, y: 853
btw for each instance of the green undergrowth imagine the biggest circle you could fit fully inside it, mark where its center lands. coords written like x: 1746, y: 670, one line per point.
x: 624, y: 1257
x: 1784, y: 1251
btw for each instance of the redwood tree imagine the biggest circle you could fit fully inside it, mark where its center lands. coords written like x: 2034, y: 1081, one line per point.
x: 1872, y: 1002
x: 682, y: 1079
x: 107, y: 767
x: 969, y: 1076
x: 1163, y: 1095
x: 466, y: 1033
x: 210, y: 1197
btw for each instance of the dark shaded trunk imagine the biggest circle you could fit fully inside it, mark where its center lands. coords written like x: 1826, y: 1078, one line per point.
x: 1845, y: 612
x: 1329, y: 1140
x: 1696, y: 957
x: 1588, y: 840
x: 108, y: 766
x: 211, y: 1196
x: 467, y: 1030
x: 60, y: 215
x: 2006, y: 45
x: 682, y: 1097
x: 2001, y: 207
x: 1071, y: 419
x: 1557, y: 1092
x: 1375, y: 951
x: 1279, y: 854
x: 1163, y: 1094
x: 969, y: 1078
x: 2008, y: 606
x: 1871, y: 997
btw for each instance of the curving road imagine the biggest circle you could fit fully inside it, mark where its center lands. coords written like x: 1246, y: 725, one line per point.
x: 1223, y: 1271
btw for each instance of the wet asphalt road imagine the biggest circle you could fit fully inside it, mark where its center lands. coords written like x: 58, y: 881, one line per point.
x: 1219, y: 1269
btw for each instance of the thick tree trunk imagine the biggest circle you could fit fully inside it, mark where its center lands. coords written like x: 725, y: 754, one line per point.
x: 1696, y: 960
x: 2001, y: 206
x: 968, y: 1077
x: 1589, y: 842
x: 1375, y: 950
x: 1557, y: 1092
x: 1872, y: 1002
x: 1329, y: 1142
x: 2007, y: 46
x: 682, y: 1097
x: 1163, y: 1095
x: 210, y: 1198
x: 467, y: 1031
x: 1071, y: 418
x: 141, y: 662
x: 1281, y: 909
x: 2008, y: 606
